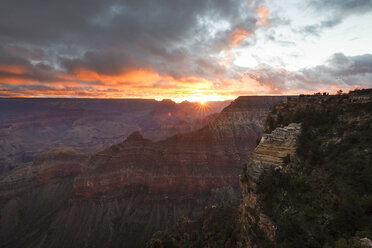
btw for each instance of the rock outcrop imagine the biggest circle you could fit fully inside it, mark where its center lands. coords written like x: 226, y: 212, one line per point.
x: 271, y: 153
x: 119, y: 197
x: 272, y: 149
x: 365, y: 242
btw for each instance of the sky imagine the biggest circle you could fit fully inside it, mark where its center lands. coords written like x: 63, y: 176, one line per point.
x: 196, y: 50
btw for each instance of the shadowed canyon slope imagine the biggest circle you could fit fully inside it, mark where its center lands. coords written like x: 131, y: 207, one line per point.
x: 30, y: 127
x: 119, y: 197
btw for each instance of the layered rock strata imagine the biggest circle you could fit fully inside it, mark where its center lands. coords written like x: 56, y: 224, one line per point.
x: 119, y: 197
x: 271, y: 153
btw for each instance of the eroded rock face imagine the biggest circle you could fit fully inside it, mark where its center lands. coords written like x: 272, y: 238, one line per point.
x: 272, y: 149
x: 270, y: 153
x: 119, y: 197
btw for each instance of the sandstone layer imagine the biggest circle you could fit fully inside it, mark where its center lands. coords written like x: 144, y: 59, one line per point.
x: 270, y: 153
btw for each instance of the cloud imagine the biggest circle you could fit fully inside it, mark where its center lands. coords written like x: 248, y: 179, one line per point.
x: 335, y: 12
x: 340, y: 71
x: 103, y: 62
x: 155, y: 48
x: 316, y: 29
x: 345, y: 7
x: 55, y: 42
x: 237, y: 36
x: 262, y: 15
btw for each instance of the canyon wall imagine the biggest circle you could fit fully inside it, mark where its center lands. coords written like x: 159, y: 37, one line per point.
x: 308, y: 182
x: 119, y: 197
x: 271, y: 153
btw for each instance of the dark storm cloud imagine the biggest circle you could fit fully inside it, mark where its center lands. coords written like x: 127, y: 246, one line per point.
x: 19, y: 66
x: 24, y: 87
x: 341, y: 65
x: 102, y: 62
x: 170, y: 36
x: 105, y: 22
x: 340, y: 71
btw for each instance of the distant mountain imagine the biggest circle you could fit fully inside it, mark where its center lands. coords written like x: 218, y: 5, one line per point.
x: 119, y: 197
x: 30, y: 127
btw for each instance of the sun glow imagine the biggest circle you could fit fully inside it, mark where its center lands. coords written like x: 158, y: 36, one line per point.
x: 201, y: 98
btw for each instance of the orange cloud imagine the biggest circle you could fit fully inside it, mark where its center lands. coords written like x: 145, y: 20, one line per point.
x: 138, y: 83
x: 144, y: 83
x: 238, y: 35
x: 14, y: 69
x: 262, y: 16
x: 135, y: 76
x: 14, y: 74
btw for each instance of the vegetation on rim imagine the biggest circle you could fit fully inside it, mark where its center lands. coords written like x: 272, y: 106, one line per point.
x: 325, y: 198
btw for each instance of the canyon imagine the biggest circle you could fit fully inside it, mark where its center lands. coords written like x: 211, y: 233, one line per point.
x: 30, y: 126
x: 122, y: 195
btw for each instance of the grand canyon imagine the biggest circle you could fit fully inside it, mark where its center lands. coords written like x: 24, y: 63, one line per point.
x: 185, y: 124
x: 120, y: 196
x: 30, y: 127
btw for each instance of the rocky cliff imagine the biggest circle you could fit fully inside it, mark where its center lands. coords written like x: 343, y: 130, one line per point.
x: 252, y: 226
x: 120, y: 196
x: 273, y: 152
x: 308, y: 182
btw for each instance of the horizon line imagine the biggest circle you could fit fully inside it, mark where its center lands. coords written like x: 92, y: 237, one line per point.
x: 139, y: 98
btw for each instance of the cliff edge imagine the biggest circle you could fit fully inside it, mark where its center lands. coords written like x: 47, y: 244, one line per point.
x: 272, y: 153
x: 308, y: 182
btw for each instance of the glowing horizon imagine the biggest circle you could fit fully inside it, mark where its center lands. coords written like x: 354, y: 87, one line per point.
x: 200, y: 99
